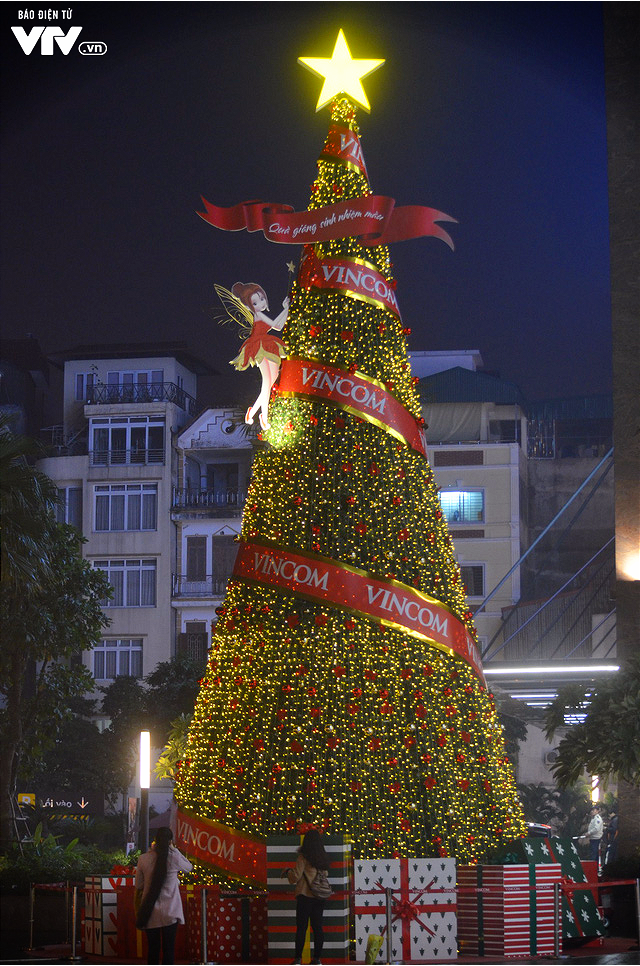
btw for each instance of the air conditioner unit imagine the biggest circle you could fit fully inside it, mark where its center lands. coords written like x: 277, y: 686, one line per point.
x: 550, y: 757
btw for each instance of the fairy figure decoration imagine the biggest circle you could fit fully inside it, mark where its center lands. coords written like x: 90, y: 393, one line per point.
x: 246, y: 305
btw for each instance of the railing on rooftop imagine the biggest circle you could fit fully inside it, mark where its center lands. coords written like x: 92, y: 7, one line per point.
x: 152, y: 392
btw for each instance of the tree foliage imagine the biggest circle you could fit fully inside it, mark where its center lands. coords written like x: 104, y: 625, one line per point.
x: 50, y: 612
x: 607, y: 742
x: 175, y: 748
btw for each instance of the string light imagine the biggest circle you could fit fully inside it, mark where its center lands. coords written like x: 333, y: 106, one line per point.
x: 309, y: 714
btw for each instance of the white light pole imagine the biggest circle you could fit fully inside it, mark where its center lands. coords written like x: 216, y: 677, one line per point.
x: 145, y: 780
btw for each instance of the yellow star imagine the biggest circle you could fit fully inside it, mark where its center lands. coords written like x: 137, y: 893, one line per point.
x: 342, y: 73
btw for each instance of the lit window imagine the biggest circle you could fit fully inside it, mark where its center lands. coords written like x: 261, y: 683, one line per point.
x: 462, y: 506
x: 118, y: 657
x: 133, y: 582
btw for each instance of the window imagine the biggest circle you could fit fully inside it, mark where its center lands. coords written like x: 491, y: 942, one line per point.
x: 130, y: 506
x: 84, y: 384
x: 194, y: 643
x: 222, y: 480
x: 196, y: 558
x: 69, y: 509
x: 115, y: 657
x: 462, y: 506
x: 135, y: 385
x: 133, y: 582
x: 473, y: 579
x: 127, y: 439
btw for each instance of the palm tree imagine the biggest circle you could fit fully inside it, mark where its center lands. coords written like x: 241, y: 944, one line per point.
x: 27, y: 497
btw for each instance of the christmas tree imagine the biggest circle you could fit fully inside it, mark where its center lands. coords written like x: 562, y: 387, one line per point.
x: 344, y: 690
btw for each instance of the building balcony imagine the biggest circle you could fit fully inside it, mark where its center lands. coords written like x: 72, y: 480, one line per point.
x: 133, y: 394
x: 127, y: 457
x: 208, y: 586
x: 191, y: 499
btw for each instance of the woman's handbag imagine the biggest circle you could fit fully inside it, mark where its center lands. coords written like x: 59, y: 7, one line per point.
x: 319, y: 886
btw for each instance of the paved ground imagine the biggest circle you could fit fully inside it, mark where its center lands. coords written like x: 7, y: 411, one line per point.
x: 615, y: 951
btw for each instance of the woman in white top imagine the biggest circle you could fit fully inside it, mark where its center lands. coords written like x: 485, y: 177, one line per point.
x: 158, y: 902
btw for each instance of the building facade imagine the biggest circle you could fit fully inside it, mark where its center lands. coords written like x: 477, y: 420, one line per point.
x: 115, y: 464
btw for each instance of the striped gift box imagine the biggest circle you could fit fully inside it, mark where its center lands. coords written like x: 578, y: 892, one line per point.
x: 281, y: 913
x: 513, y: 913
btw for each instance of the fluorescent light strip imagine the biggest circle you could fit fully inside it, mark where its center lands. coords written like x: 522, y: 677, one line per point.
x: 522, y: 697
x: 558, y: 669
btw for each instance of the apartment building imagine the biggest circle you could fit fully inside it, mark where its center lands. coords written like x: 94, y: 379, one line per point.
x: 114, y: 462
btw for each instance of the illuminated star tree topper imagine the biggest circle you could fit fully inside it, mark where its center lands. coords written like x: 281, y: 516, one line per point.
x: 342, y: 73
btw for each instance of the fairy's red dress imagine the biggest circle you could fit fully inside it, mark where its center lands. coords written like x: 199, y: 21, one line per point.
x: 258, y: 346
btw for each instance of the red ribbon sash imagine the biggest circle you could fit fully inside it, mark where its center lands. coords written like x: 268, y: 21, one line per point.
x: 343, y: 145
x: 241, y: 856
x: 358, y: 394
x: 374, y: 219
x: 388, y: 601
x: 356, y: 278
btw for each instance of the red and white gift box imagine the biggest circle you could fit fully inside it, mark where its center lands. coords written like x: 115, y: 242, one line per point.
x: 101, y: 913
x: 236, y: 926
x: 423, y: 907
x: 507, y: 910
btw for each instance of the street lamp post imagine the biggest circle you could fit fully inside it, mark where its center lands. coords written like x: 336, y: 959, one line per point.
x: 145, y: 780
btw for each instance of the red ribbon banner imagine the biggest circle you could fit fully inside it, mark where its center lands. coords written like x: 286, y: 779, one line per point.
x: 241, y: 856
x: 374, y: 219
x: 388, y: 601
x: 343, y: 145
x: 354, y: 392
x: 354, y: 277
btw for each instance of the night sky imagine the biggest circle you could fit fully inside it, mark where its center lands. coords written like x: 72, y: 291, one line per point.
x: 492, y: 113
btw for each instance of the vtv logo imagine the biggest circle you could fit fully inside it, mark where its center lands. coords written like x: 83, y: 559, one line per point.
x: 46, y: 36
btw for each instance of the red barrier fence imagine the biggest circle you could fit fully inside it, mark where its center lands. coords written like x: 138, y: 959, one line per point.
x: 205, y: 940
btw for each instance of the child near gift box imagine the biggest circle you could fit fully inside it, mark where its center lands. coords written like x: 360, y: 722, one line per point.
x: 311, y: 867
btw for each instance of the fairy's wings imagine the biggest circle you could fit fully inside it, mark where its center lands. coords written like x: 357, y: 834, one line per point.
x: 236, y: 311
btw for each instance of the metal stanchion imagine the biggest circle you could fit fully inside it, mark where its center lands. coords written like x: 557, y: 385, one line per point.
x: 637, y: 891
x: 66, y: 911
x: 557, y: 917
x: 203, y: 926
x: 32, y: 902
x: 74, y: 918
x: 388, y: 895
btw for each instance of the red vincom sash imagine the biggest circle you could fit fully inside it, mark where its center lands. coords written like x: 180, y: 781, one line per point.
x: 387, y: 601
x: 355, y: 393
x: 374, y: 219
x: 343, y: 145
x: 240, y: 855
x: 357, y: 278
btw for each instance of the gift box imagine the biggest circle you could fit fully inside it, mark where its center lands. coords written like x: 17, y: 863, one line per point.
x: 101, y: 913
x: 507, y: 910
x: 580, y: 916
x: 236, y: 926
x: 282, y: 852
x: 423, y: 908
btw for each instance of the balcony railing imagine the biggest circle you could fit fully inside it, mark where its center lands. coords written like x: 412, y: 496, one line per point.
x: 185, y: 498
x: 209, y: 586
x: 152, y: 392
x: 127, y: 457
